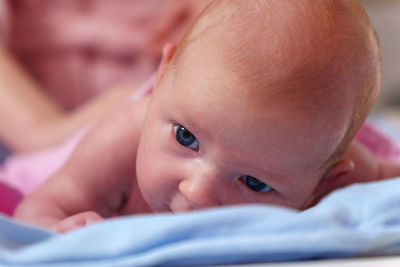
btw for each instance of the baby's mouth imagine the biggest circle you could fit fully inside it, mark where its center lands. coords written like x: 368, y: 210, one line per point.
x: 178, y: 205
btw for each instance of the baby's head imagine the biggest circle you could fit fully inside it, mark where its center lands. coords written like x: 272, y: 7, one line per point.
x: 257, y: 105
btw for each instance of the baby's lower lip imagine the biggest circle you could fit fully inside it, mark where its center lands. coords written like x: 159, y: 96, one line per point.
x: 179, y: 209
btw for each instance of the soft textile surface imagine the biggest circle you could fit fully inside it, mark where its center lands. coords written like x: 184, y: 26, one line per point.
x: 357, y: 221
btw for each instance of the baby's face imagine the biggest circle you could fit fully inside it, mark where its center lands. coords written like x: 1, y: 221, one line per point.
x: 241, y: 119
x: 207, y: 142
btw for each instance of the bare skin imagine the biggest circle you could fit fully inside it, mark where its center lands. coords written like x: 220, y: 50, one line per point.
x: 77, y: 195
x: 67, y: 201
x: 107, y: 189
x: 204, y: 139
x: 366, y: 167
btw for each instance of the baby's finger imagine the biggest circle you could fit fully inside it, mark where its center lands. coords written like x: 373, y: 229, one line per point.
x: 77, y: 221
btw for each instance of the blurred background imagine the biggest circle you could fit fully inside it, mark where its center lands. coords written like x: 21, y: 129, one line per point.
x: 385, y: 16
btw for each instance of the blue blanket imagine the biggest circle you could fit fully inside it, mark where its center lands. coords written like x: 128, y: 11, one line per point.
x: 359, y: 220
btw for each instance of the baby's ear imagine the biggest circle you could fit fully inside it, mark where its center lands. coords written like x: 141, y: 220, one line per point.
x: 337, y: 177
x: 167, y: 53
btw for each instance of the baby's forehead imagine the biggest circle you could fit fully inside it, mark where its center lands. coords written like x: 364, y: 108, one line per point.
x: 260, y: 59
x: 207, y: 70
x: 277, y: 106
x: 228, y: 119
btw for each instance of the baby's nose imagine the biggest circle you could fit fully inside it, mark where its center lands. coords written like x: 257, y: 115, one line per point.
x: 201, y: 192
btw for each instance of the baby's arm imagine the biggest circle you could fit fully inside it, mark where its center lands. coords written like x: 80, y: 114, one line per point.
x: 367, y: 166
x: 98, y: 177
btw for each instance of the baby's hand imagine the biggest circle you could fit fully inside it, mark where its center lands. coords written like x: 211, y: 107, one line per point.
x: 77, y: 221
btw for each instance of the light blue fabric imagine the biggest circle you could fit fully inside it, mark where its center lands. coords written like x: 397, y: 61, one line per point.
x: 356, y: 221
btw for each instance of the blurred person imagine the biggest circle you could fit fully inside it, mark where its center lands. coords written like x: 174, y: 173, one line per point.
x: 65, y: 62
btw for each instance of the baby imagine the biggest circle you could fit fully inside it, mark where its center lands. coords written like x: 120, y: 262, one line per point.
x: 257, y: 104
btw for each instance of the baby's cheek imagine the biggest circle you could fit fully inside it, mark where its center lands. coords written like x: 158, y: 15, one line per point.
x: 151, y: 182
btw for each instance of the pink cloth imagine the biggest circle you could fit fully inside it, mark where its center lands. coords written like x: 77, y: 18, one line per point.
x: 9, y: 199
x: 26, y: 171
x: 378, y: 142
x: 76, y: 49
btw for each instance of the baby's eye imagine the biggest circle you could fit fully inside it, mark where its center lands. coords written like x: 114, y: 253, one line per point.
x: 185, y: 138
x: 255, y: 184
